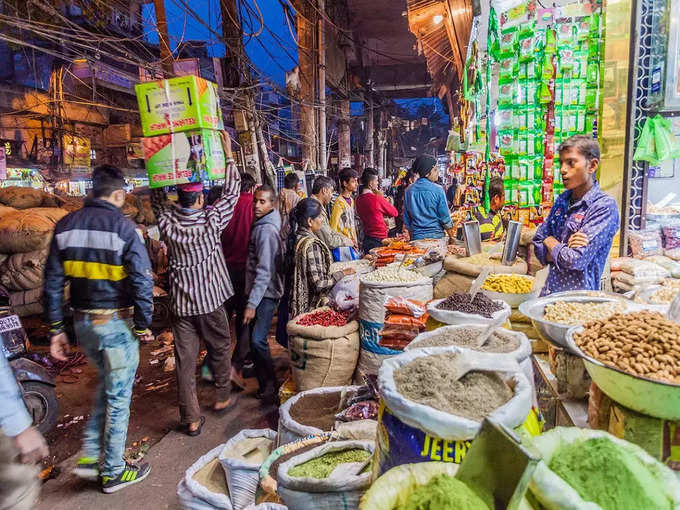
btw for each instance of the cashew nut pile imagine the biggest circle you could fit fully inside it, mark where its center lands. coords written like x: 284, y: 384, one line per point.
x: 664, y: 295
x: 642, y: 343
x: 572, y: 313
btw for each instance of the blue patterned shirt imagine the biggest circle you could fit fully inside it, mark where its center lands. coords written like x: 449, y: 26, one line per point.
x: 595, y: 215
x: 426, y: 212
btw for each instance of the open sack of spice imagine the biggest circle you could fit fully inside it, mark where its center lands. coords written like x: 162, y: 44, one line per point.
x: 241, y: 459
x: 334, y: 475
x: 345, y: 409
x: 592, y: 470
x: 404, y: 320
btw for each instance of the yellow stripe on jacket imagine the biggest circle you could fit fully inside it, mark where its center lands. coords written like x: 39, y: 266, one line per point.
x: 93, y: 270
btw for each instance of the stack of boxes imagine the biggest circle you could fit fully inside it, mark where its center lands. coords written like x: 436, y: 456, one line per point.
x: 181, y: 119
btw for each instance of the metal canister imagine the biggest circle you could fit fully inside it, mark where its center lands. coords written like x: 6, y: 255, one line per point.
x: 512, y: 238
x: 472, y: 237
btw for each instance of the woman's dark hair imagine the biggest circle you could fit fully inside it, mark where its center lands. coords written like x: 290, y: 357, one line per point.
x: 367, y: 176
x: 214, y: 193
x: 305, y: 209
x: 247, y: 183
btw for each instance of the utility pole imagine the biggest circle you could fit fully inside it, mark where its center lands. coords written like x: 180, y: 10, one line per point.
x: 306, y: 17
x: 344, y: 136
x: 163, y: 38
x: 322, y: 86
x: 370, y: 133
x: 235, y: 75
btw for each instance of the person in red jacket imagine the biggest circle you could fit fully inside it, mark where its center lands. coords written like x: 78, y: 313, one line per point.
x: 372, y: 206
x: 235, y: 238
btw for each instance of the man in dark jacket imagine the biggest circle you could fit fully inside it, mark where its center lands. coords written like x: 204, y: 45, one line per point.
x: 99, y: 252
x: 264, y: 285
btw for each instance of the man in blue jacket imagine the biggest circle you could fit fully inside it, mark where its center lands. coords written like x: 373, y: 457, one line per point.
x: 426, y: 212
x: 264, y: 285
x: 98, y: 251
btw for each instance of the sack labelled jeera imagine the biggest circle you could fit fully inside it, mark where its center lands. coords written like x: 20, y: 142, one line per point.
x: 322, y: 355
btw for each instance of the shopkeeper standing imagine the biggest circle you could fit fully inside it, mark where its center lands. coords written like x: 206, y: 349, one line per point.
x: 576, y: 238
x: 426, y: 213
x: 490, y: 222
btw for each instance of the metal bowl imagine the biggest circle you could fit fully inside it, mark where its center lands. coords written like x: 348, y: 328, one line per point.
x: 554, y: 332
x: 647, y: 396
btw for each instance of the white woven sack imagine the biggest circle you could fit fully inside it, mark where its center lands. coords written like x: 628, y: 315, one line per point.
x: 369, y: 364
x: 337, y: 491
x: 455, y: 318
x: 267, y: 506
x: 289, y: 429
x: 194, y: 496
x: 448, y: 426
x: 553, y: 493
x: 243, y: 477
x: 372, y: 296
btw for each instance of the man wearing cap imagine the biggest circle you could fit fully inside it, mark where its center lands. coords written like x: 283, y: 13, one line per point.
x: 199, y: 285
x: 426, y: 212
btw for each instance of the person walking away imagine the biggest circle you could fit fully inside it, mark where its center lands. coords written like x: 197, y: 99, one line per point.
x: 426, y: 213
x: 21, y: 446
x: 372, y: 207
x: 491, y: 222
x: 199, y: 286
x: 406, y: 181
x: 235, y: 238
x: 342, y: 217
x: 322, y: 192
x: 98, y: 251
x: 264, y: 285
x: 576, y: 237
x: 288, y: 199
x: 311, y: 260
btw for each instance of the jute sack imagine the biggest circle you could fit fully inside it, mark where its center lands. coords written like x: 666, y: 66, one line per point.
x: 21, y: 197
x: 6, y: 210
x: 29, y: 229
x: 464, y: 266
x: 450, y: 283
x: 322, y: 355
x: 23, y: 271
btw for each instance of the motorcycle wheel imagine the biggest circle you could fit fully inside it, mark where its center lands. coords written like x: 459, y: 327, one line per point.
x: 42, y: 403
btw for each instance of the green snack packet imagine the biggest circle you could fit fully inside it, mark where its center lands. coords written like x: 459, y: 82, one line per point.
x: 592, y: 73
x: 529, y: 193
x: 591, y: 96
x: 513, y: 168
x: 547, y: 69
x: 505, y: 119
x: 559, y: 91
x: 566, y: 58
x: 507, y: 43
x: 580, y: 65
x: 544, y: 96
x: 550, y: 42
x: 577, y: 93
x: 590, y: 122
x: 506, y: 93
x: 594, y: 26
x: 511, y: 193
x: 507, y: 143
x: 507, y: 69
x: 582, y: 28
x: 565, y: 34
x: 538, y: 168
x: 531, y: 92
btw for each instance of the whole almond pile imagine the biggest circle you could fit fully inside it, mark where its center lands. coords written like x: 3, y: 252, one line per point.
x: 642, y: 343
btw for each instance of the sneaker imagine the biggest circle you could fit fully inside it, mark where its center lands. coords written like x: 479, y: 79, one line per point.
x: 248, y: 370
x: 131, y: 475
x: 206, y: 373
x: 87, y: 468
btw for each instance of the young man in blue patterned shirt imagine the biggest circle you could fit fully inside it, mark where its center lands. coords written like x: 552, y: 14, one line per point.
x: 576, y: 238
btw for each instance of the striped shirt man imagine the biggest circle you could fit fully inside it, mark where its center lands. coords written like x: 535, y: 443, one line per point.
x: 199, y: 280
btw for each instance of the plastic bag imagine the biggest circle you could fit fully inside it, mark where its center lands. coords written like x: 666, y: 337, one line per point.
x: 664, y: 140
x: 646, y: 150
x: 345, y: 253
x: 399, y: 320
x: 640, y: 269
x: 671, y: 237
x: 645, y: 243
x: 345, y: 293
x: 404, y: 306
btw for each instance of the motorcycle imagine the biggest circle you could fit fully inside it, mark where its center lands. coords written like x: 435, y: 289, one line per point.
x: 36, y: 383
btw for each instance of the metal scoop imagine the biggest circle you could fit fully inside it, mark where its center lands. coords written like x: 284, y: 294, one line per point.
x: 478, y: 282
x: 499, y: 465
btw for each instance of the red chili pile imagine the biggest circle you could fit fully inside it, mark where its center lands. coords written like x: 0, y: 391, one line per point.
x: 323, y: 318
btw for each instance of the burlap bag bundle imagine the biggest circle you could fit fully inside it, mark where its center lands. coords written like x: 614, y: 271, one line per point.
x: 6, y: 210
x: 463, y: 266
x: 23, y: 271
x: 29, y: 229
x: 322, y: 355
x: 21, y: 197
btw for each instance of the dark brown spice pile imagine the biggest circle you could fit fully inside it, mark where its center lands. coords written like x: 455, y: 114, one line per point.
x: 460, y: 302
x: 316, y: 410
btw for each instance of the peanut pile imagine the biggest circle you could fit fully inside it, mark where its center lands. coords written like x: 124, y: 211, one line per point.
x: 642, y: 343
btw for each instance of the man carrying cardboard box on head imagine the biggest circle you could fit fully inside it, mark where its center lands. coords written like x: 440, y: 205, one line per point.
x: 199, y: 285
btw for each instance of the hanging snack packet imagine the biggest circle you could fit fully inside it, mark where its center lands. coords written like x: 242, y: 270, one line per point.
x: 507, y: 69
x: 577, y: 93
x: 550, y: 42
x: 506, y: 143
x: 527, y: 46
x: 510, y: 192
x: 508, y: 41
x: 548, y: 68
x: 582, y: 28
x: 544, y: 94
x: 591, y: 124
x: 591, y: 97
x: 506, y: 93
x: 559, y: 91
x: 565, y: 34
x: 592, y: 73
x: 505, y: 119
x: 566, y: 58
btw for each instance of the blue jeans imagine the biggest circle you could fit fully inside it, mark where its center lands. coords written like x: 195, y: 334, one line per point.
x: 259, y: 348
x: 112, y: 347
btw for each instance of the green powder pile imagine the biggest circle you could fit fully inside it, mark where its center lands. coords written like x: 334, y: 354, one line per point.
x: 443, y: 492
x: 603, y: 473
x: 321, y: 467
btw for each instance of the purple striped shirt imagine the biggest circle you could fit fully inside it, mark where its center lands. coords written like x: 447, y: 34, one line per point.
x: 199, y: 280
